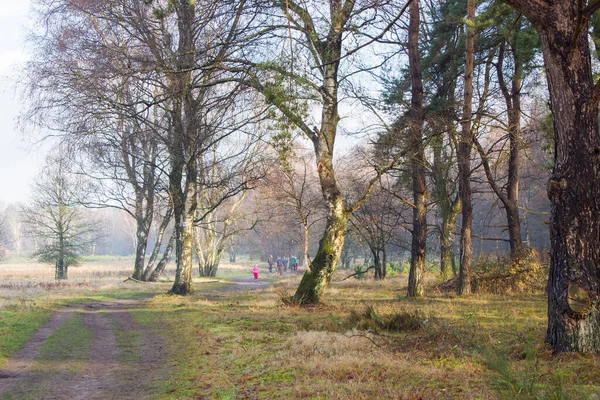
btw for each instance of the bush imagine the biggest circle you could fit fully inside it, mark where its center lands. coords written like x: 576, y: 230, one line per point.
x: 398, y: 321
x: 396, y: 269
x: 522, y: 273
x: 359, y: 272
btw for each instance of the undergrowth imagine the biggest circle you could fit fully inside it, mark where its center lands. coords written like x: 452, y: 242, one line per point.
x: 398, y: 321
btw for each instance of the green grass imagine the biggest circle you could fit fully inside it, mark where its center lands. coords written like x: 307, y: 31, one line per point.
x: 245, y: 344
x: 365, y: 341
x: 68, y: 342
x: 129, y: 346
x: 17, y: 326
x: 68, y: 346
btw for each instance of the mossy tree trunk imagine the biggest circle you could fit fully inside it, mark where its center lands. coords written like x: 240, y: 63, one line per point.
x: 574, y: 186
x: 325, y: 262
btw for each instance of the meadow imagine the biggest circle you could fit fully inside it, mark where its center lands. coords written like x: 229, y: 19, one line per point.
x: 366, y: 340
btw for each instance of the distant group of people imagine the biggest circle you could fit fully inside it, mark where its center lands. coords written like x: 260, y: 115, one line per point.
x: 282, y: 263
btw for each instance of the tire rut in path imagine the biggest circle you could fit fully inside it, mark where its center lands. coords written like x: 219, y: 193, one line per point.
x: 18, y: 367
x: 105, y: 374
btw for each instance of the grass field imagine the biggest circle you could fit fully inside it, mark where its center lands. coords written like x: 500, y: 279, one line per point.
x: 366, y: 340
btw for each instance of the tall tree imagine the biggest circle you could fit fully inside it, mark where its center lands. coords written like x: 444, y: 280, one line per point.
x: 574, y: 186
x: 86, y: 85
x: 464, y: 155
x: 417, y: 152
x: 518, y: 45
x: 321, y: 29
x: 54, y: 217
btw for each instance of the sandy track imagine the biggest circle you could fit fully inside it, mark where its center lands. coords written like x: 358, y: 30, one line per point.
x: 246, y: 283
x: 108, y: 372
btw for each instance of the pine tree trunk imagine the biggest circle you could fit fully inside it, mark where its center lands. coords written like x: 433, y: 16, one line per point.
x: 574, y: 186
x: 464, y: 158
x: 419, y: 224
x: 574, y: 192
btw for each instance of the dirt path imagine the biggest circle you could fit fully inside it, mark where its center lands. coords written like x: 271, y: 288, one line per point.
x: 105, y: 354
x: 120, y: 362
x: 246, y: 283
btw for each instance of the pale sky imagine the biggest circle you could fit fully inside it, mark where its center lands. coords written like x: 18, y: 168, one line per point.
x: 19, y: 162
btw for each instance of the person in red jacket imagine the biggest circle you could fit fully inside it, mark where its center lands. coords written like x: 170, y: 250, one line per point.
x: 255, y: 272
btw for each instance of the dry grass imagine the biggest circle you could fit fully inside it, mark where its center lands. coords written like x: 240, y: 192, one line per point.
x: 365, y: 341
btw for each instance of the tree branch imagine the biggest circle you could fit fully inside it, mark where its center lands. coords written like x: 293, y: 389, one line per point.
x: 359, y: 273
x: 535, y: 10
x: 591, y: 9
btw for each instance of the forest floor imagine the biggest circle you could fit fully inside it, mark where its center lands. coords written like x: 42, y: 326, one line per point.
x: 235, y: 338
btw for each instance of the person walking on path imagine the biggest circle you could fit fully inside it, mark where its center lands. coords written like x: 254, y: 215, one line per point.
x: 270, y: 261
x: 293, y: 264
x: 255, y: 272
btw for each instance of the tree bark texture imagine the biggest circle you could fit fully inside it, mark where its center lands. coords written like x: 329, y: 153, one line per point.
x: 325, y: 261
x: 305, y: 253
x: 464, y: 157
x: 419, y: 224
x: 148, y: 271
x: 183, y: 151
x: 142, y: 232
x: 446, y: 242
x: 162, y: 264
x: 574, y: 187
x: 144, y: 195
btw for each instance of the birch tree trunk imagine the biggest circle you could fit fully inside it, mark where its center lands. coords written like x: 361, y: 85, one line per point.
x: 162, y: 264
x: 183, y: 152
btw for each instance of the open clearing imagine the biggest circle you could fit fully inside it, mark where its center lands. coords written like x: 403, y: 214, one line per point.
x: 97, y: 337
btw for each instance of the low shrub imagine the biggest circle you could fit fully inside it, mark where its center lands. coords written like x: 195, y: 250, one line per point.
x: 399, y: 321
x: 522, y: 273
x: 397, y: 269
